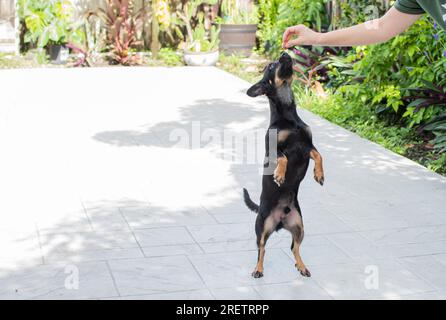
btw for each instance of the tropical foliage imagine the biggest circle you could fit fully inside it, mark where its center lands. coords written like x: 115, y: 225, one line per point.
x: 124, y: 30
x: 234, y: 13
x: 346, y: 13
x: 122, y: 23
x: 198, y: 38
x: 89, y: 40
x: 277, y: 15
x: 46, y: 21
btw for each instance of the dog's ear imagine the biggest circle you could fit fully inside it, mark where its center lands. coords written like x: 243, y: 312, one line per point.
x: 257, y: 90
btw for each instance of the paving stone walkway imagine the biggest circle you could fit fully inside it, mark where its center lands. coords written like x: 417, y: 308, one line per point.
x: 121, y: 178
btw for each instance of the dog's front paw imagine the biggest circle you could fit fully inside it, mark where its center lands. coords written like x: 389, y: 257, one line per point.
x: 280, y: 172
x: 279, y: 176
x: 257, y: 274
x: 319, y: 177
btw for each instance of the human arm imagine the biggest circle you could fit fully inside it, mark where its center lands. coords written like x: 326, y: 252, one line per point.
x: 374, y: 31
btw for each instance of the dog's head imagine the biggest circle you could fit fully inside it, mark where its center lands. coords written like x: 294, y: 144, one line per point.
x: 277, y: 79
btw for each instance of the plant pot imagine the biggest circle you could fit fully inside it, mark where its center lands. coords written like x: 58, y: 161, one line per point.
x: 58, y: 53
x: 201, y: 59
x: 238, y: 38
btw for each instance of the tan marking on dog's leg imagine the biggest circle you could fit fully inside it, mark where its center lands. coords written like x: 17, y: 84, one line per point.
x: 269, y: 226
x: 280, y: 172
x: 299, y: 263
x: 259, y: 266
x: 258, y: 271
x: 318, y: 167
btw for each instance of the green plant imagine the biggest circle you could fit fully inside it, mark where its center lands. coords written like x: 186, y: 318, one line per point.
x: 40, y: 55
x: 404, y: 62
x: 234, y: 13
x: 122, y: 24
x: 13, y: 61
x: 46, y: 21
x: 172, y: 30
x: 438, y: 127
x: 350, y: 12
x: 277, y: 15
x: 268, y: 12
x: 198, y: 39
x: 200, y: 42
x: 439, y: 164
x: 170, y: 57
x: 340, y: 68
x: 90, y: 39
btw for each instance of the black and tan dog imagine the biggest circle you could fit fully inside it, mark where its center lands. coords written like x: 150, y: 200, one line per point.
x: 279, y: 205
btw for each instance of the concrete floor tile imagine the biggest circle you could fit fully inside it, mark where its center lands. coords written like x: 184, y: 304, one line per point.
x: 154, y: 275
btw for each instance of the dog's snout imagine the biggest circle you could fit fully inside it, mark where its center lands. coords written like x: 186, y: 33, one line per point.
x: 286, y: 66
x: 285, y: 57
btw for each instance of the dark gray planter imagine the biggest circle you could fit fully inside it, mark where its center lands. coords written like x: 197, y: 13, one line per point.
x: 238, y: 38
x: 58, y: 53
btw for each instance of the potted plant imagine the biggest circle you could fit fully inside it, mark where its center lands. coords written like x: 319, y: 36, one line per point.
x: 57, y: 46
x: 238, y: 26
x: 202, y: 50
x: 48, y: 25
x: 201, y: 46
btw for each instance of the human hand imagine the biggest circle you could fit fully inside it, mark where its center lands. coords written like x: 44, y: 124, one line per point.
x: 302, y: 34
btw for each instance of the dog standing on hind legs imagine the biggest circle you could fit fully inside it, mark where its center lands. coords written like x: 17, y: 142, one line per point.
x: 279, y: 205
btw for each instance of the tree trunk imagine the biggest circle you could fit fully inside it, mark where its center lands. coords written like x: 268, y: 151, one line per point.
x: 336, y: 13
x: 155, y: 44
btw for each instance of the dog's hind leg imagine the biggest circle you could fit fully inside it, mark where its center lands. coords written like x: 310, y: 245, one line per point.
x: 318, y: 167
x: 295, y: 226
x: 264, y: 228
x: 298, y: 235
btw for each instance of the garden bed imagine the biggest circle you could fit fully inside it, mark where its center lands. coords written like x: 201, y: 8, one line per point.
x: 31, y: 59
x: 12, y: 61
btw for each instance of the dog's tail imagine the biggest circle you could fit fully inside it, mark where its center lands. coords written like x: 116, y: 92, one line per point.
x: 249, y: 203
